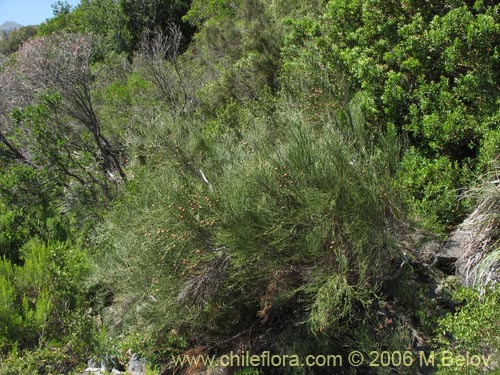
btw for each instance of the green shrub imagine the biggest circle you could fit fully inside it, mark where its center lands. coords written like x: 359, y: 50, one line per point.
x: 40, y: 295
x: 472, y: 328
x: 16, y: 38
x: 278, y: 219
x: 238, y: 54
x: 430, y: 187
x: 429, y: 70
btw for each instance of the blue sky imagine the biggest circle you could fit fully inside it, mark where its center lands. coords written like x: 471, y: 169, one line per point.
x: 28, y: 12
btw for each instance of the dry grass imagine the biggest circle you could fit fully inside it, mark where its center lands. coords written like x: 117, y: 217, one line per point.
x: 481, y: 259
x: 202, y: 286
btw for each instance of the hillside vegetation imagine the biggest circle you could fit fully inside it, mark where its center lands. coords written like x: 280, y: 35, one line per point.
x: 201, y: 177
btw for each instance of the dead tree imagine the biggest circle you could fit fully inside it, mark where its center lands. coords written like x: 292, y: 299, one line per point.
x: 158, y: 54
x: 61, y: 63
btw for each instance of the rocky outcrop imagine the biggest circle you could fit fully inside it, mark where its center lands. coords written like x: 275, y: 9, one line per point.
x: 472, y: 250
x: 136, y: 366
x: 111, y: 365
x: 448, y: 259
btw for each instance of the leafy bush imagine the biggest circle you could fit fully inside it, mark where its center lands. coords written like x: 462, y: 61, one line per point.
x: 13, y: 41
x: 428, y: 70
x: 429, y: 186
x: 41, y: 302
x: 29, y: 209
x: 472, y: 328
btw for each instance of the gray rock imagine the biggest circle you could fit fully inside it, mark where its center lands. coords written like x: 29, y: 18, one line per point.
x: 448, y: 259
x: 93, y: 364
x: 219, y: 370
x: 136, y: 366
x: 108, y: 364
x: 93, y: 371
x: 100, y: 371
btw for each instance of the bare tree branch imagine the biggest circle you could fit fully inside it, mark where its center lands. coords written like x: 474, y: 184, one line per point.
x: 159, y: 54
x: 61, y: 62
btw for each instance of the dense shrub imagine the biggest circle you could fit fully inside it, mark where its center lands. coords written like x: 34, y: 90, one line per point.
x: 50, y: 276
x: 43, y: 325
x: 251, y: 182
x: 280, y: 219
x: 472, y: 329
x: 428, y: 70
